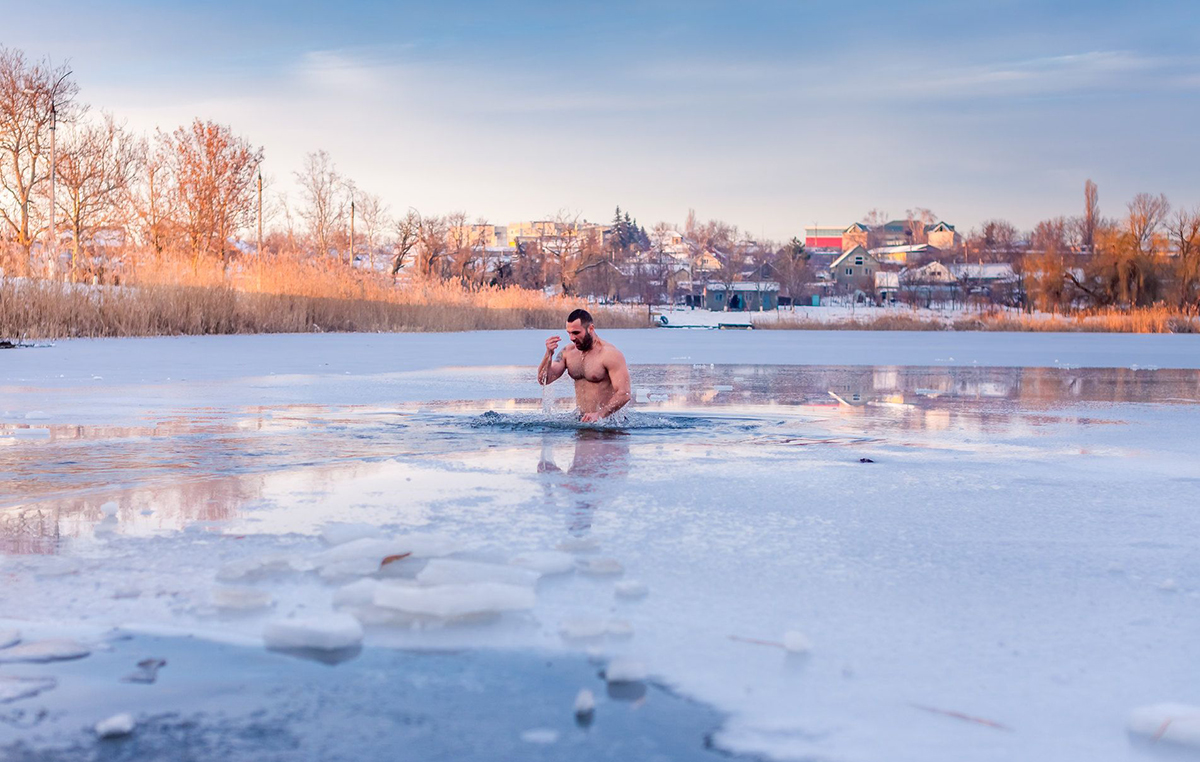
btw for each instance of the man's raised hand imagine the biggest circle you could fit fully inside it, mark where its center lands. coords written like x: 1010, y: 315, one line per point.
x: 552, y: 344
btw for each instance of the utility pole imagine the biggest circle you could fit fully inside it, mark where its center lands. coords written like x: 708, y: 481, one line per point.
x: 352, y: 232
x: 53, y: 169
x: 259, y: 228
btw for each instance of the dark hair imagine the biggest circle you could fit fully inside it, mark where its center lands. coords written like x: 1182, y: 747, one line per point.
x: 583, y: 316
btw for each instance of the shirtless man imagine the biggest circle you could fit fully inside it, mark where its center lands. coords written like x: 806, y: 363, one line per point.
x: 601, y: 375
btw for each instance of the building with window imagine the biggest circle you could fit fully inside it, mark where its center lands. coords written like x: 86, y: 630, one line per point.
x: 855, y: 270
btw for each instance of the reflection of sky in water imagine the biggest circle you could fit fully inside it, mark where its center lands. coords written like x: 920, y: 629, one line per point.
x: 291, y: 467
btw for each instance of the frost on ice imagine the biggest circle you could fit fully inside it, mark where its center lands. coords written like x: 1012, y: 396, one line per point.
x: 330, y: 632
x: 631, y: 590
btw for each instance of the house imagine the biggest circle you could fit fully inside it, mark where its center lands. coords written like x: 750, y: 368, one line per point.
x: 996, y: 280
x: 742, y: 296
x: 943, y: 236
x: 932, y: 274
x: 818, y: 237
x: 855, y: 270
x: 857, y: 234
x: 887, y: 286
x: 902, y: 255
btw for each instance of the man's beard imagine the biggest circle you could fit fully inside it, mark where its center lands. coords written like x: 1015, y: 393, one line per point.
x: 584, y: 344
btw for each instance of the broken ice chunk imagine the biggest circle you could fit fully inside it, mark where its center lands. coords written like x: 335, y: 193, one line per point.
x: 376, y: 549
x: 327, y: 633
x: 234, y: 598
x: 358, y: 593
x: 147, y: 671
x: 456, y: 600
x: 44, y: 651
x: 17, y: 688
x: 339, y: 533
x: 582, y: 628
x: 625, y: 671
x: 546, y: 561
x: 795, y: 642
x: 116, y: 726
x: 585, y: 702
x: 631, y: 589
x: 1167, y: 722
x: 449, y: 571
x: 257, y: 568
x: 601, y: 567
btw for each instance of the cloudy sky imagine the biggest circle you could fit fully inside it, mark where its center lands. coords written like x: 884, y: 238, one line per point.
x: 771, y: 115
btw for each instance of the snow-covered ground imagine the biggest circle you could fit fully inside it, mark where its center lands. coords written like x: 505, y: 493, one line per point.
x: 825, y: 313
x: 1011, y: 576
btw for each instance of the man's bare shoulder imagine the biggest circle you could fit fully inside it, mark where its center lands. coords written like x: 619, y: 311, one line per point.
x: 612, y: 354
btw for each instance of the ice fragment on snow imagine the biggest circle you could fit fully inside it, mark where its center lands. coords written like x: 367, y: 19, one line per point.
x: 116, y: 726
x: 1167, y: 722
x: 585, y: 702
x: 631, y: 589
x: 44, y: 651
x: 240, y: 598
x: 540, y: 735
x: 110, y: 508
x: 796, y: 642
x: 546, y: 561
x: 601, y: 567
x: 339, y: 533
x: 449, y: 571
x: 375, y: 549
x: 17, y: 688
x: 257, y: 568
x: 455, y: 600
x: 329, y: 632
x: 625, y: 671
x: 9, y: 638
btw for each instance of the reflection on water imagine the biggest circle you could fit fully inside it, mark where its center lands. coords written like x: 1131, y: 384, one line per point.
x: 186, y: 465
x: 599, y: 462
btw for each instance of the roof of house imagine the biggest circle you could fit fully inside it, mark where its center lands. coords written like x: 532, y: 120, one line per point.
x: 934, y: 272
x: 856, y: 251
x: 857, y: 226
x: 911, y: 248
x: 983, y: 271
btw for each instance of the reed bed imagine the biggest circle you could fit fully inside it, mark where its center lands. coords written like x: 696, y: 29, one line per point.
x: 163, y: 298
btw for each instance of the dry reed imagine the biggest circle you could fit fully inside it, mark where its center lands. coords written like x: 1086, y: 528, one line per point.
x: 164, y: 297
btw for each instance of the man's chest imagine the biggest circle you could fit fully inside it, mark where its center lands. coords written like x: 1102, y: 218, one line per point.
x: 586, y: 367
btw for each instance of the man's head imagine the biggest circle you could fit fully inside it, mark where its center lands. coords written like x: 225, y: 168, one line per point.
x: 581, y: 330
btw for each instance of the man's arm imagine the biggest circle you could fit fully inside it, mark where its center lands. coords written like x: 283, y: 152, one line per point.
x: 550, y: 368
x: 618, y: 373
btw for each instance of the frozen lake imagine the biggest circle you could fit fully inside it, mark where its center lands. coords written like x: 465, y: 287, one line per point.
x: 1013, y: 569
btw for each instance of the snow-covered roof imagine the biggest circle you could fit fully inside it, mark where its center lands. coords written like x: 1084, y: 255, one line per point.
x: 911, y: 248
x: 856, y: 251
x: 884, y: 279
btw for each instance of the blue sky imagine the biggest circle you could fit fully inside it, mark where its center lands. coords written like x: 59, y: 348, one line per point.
x: 771, y: 115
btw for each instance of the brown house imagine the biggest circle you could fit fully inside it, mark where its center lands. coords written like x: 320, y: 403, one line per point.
x: 855, y: 270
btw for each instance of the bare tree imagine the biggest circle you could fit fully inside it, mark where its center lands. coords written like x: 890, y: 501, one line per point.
x: 1184, y: 230
x: 213, y: 172
x: 1090, y: 220
x: 324, y: 200
x: 1147, y: 213
x: 433, y: 245
x: 917, y: 221
x: 376, y: 218
x: 32, y: 97
x: 408, y: 235
x: 97, y: 166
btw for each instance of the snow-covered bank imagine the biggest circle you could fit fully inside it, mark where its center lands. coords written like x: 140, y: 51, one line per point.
x: 1012, y: 573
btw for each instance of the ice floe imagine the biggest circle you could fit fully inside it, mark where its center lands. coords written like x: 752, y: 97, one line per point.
x: 453, y: 601
x: 329, y: 632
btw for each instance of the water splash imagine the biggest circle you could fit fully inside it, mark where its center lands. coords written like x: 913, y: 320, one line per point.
x: 548, y: 421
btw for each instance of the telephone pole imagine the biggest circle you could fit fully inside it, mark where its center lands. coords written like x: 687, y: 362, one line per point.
x: 259, y: 248
x: 352, y: 232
